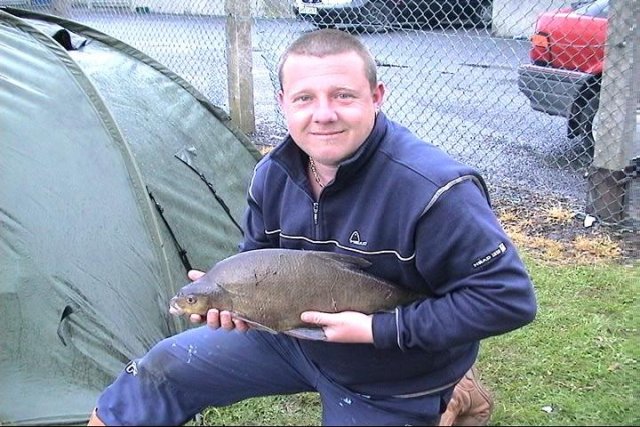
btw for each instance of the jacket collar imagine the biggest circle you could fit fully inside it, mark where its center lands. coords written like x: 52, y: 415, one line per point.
x: 294, y: 160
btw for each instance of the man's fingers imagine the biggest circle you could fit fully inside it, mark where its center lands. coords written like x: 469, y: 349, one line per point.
x: 226, y: 320
x: 196, y: 318
x: 213, y: 318
x: 240, y: 325
x: 220, y: 319
x: 195, y: 274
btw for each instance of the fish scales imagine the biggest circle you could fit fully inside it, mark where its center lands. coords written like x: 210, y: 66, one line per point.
x: 269, y: 288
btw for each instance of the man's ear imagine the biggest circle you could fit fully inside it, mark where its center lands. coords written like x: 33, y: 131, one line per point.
x: 280, y: 97
x: 378, y: 95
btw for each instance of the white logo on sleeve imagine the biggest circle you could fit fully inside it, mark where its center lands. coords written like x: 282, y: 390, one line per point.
x: 131, y: 368
x: 355, y: 239
x: 502, y: 248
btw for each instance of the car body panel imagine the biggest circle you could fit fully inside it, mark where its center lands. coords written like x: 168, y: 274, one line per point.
x: 567, y: 57
x: 576, y: 42
x: 552, y: 91
x: 388, y: 13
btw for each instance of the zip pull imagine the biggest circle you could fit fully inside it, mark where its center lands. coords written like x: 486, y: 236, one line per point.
x: 315, y: 212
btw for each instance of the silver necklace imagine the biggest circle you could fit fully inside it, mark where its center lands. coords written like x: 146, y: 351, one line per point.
x: 312, y: 165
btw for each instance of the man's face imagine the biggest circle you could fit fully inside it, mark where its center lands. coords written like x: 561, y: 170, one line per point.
x: 329, y: 104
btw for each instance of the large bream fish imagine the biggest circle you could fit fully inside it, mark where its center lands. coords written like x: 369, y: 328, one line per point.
x: 270, y: 288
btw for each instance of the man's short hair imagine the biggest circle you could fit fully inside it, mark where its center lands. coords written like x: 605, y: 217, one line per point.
x: 325, y: 42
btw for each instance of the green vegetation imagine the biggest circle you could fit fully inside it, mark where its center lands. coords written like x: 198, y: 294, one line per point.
x: 578, y: 363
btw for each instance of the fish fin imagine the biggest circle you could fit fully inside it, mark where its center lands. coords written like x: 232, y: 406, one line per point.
x: 348, y: 260
x: 316, y: 334
x: 256, y: 325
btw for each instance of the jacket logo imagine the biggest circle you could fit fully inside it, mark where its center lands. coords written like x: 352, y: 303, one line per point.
x: 355, y: 239
x: 498, y: 251
x: 131, y: 368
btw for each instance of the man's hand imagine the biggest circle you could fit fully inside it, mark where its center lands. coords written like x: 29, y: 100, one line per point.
x: 344, y: 327
x: 216, y: 318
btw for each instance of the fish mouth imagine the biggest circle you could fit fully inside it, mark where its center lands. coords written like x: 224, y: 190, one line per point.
x: 175, y: 309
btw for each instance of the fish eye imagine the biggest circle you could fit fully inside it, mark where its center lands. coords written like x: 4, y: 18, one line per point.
x: 191, y: 299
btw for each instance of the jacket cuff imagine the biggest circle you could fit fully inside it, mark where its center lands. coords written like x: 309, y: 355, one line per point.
x: 385, y: 332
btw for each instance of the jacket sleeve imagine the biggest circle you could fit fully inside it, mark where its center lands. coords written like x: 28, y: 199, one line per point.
x: 478, y: 282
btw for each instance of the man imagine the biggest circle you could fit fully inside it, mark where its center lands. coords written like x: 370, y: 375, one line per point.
x: 347, y: 179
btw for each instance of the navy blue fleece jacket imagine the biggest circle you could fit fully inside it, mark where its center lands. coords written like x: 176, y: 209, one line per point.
x: 424, y: 221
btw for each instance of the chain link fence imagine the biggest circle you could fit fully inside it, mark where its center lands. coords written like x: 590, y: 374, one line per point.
x: 541, y: 96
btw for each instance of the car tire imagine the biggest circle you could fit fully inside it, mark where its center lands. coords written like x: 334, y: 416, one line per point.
x: 583, y: 111
x: 590, y: 138
x: 592, y: 118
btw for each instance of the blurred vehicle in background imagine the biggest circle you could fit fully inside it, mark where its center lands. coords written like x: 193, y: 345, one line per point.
x: 567, y: 57
x: 379, y: 15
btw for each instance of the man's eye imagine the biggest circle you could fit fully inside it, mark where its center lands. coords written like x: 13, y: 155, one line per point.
x: 302, y: 98
x: 345, y: 96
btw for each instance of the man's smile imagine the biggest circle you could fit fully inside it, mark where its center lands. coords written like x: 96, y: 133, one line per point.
x: 327, y: 133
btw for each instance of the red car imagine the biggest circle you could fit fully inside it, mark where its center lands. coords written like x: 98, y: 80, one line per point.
x: 567, y: 56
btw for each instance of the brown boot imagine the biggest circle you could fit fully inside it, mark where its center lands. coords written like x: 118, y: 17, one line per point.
x: 471, y: 403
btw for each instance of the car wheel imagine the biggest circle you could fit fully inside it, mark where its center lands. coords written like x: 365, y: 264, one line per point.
x: 593, y: 118
x: 589, y: 138
x: 379, y: 17
x: 583, y: 111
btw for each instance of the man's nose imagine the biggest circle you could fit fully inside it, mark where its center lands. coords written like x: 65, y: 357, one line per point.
x: 324, y: 111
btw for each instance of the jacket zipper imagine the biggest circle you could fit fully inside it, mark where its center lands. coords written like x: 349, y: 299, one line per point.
x: 315, y: 213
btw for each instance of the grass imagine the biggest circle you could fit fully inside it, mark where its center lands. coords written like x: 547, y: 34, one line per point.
x: 578, y: 363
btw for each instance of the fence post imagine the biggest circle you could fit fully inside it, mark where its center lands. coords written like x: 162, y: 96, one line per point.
x: 610, y: 179
x: 240, y: 64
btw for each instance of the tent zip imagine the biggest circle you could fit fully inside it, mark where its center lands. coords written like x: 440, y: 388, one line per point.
x: 213, y: 191
x: 181, y: 251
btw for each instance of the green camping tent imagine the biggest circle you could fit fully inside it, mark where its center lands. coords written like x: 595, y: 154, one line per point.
x: 116, y: 176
